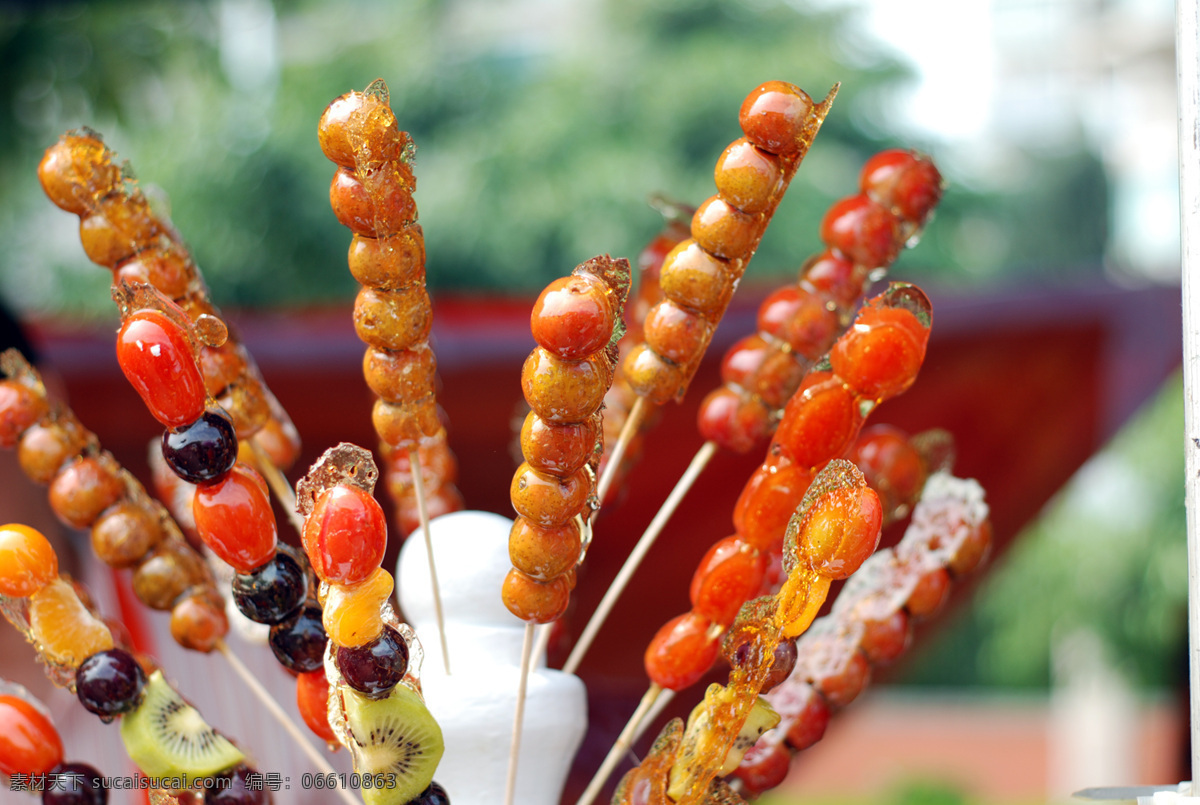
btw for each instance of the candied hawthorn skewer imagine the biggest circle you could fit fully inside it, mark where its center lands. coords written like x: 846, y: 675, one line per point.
x: 797, y: 325
x: 871, y: 622
x: 698, y: 277
x: 372, y: 661
x: 372, y: 195
x: 835, y: 528
x: 119, y: 231
x: 576, y: 322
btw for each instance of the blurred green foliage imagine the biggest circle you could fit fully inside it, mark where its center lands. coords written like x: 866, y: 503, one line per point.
x: 539, y: 139
x: 1109, y: 557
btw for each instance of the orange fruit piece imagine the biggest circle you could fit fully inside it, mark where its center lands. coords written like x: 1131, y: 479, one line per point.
x: 27, y: 561
x: 62, y: 626
x: 352, y: 612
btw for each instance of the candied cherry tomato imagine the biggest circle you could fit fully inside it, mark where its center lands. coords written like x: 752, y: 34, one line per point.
x: 929, y: 593
x: 819, y: 423
x: 774, y: 116
x: 809, y: 725
x: 234, y: 518
x: 903, y: 181
x: 764, y: 766
x: 572, y: 317
x: 27, y: 561
x: 862, y: 230
x: 973, y: 550
x: 29, y: 744
x: 156, y: 356
x: 682, y: 651
x: 891, y: 465
x: 881, y: 355
x: 312, y: 699
x: 835, y: 275
x: 734, y: 422
x: 768, y: 501
x: 840, y: 530
x: 168, y: 270
x: 802, y: 320
x: 884, y: 639
x: 729, y: 574
x: 743, y: 360
x: 652, y: 376
x: 842, y: 686
x: 345, y: 535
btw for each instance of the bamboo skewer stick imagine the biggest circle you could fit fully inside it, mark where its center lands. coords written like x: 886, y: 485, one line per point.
x: 277, y: 712
x: 510, y: 786
x: 423, y: 516
x: 632, y: 423
x: 624, y: 742
x: 682, y: 487
x: 279, y: 486
x: 1187, y: 55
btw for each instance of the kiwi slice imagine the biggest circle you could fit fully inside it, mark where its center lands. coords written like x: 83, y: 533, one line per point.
x: 395, y: 740
x: 167, y: 737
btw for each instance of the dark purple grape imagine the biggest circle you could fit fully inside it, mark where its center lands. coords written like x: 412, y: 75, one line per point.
x: 782, y: 667
x: 374, y: 668
x: 299, y: 642
x: 232, y: 788
x: 204, y: 450
x: 272, y: 592
x: 109, y: 683
x: 433, y: 795
x: 74, y: 784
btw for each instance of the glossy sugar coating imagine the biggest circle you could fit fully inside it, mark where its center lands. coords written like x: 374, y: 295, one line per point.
x: 63, y: 628
x: 234, y: 518
x: 577, y: 323
x: 345, y: 535
x: 780, y: 121
x: 27, y: 561
x: 799, y: 323
x: 29, y: 743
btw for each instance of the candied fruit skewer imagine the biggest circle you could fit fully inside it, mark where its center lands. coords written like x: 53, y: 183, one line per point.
x: 576, y: 323
x: 798, y: 324
x: 819, y: 424
x: 372, y: 195
x: 372, y: 661
x: 833, y: 530
x: 157, y: 352
x: 80, y: 654
x: 698, y: 277
x: 89, y: 489
x: 119, y: 231
x: 871, y: 621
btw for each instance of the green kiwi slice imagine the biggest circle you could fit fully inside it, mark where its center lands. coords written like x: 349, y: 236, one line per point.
x: 167, y: 737
x: 394, y: 740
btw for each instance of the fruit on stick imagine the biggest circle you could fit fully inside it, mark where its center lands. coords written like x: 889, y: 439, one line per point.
x: 797, y: 324
x: 818, y: 424
x: 371, y: 194
x: 834, y: 528
x: 871, y: 619
x: 698, y: 277
x: 89, y: 489
x: 576, y: 323
x: 29, y: 743
x: 119, y: 231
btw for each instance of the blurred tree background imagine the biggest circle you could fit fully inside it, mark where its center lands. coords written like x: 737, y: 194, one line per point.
x: 542, y: 129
